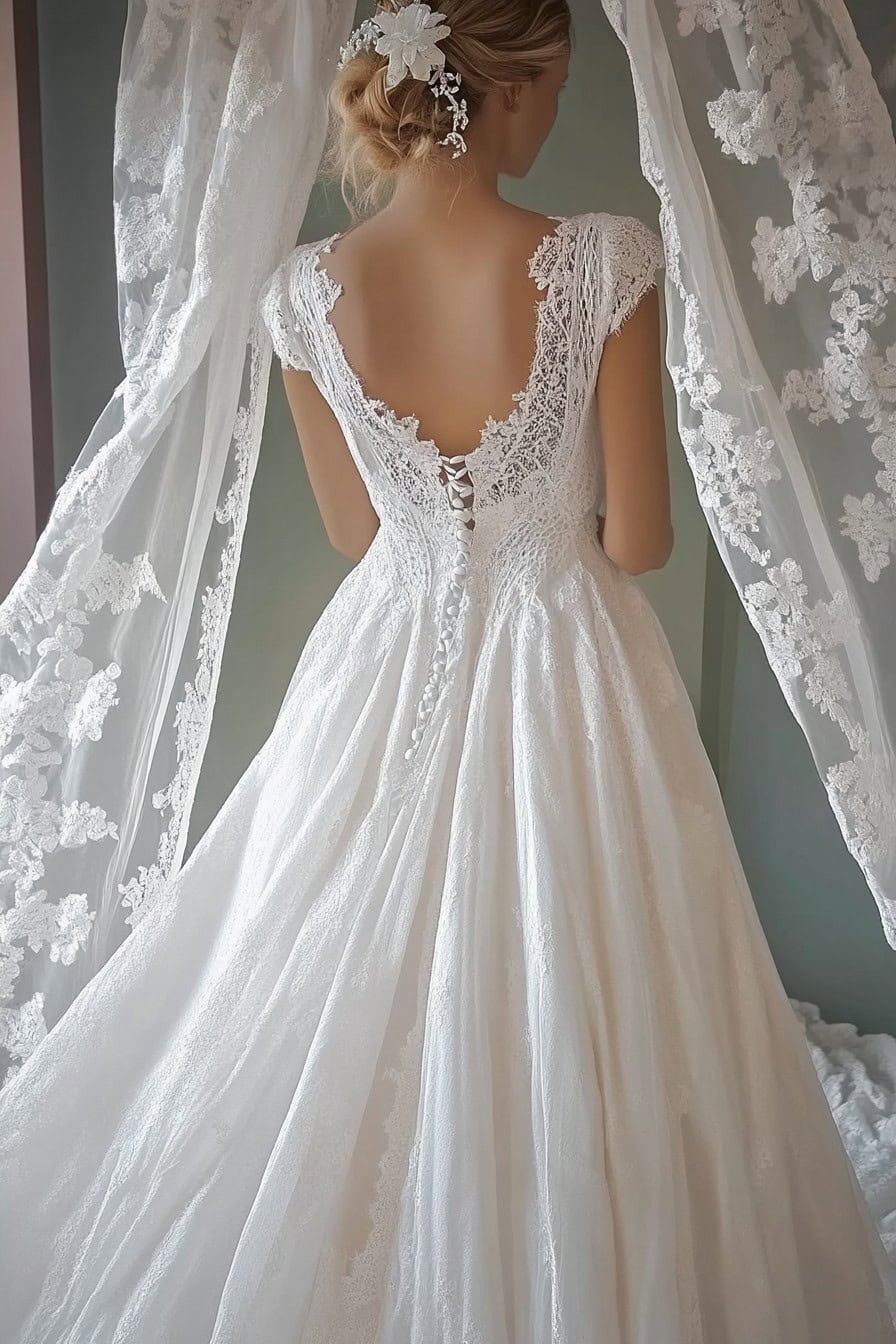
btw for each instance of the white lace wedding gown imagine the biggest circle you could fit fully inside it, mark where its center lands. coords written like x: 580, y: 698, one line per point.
x: 459, y: 1026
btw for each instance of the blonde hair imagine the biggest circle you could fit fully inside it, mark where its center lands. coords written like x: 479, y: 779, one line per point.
x: 376, y: 131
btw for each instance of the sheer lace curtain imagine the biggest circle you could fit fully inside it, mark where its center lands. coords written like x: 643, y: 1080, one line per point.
x: 767, y: 139
x: 111, y: 641
x: 770, y: 147
x: 875, y: 22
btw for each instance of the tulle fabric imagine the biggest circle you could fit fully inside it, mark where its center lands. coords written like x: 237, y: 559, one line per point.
x: 111, y: 640
x: 766, y: 137
x: 502, y: 1057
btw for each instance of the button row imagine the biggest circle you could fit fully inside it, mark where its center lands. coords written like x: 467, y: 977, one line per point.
x: 460, y: 495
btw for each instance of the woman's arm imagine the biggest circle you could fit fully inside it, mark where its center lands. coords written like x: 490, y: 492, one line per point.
x: 636, y: 531
x: 342, y: 499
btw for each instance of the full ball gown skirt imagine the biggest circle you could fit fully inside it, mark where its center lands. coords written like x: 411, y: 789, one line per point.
x: 472, y: 1037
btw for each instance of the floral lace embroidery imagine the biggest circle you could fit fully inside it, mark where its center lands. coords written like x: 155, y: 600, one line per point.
x: 193, y: 713
x: 541, y: 268
x: 182, y: 206
x: 792, y: 111
x: 479, y: 527
x: 46, y: 712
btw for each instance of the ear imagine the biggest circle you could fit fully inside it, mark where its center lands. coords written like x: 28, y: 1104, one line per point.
x: 512, y: 95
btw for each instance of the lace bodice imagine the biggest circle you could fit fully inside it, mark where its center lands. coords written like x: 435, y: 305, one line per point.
x: 504, y: 510
x: 480, y: 529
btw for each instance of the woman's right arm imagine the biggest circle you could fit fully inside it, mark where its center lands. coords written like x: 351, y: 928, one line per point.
x: 342, y: 499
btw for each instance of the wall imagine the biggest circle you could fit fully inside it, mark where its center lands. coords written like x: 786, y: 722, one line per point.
x: 80, y: 50
x: 825, y: 941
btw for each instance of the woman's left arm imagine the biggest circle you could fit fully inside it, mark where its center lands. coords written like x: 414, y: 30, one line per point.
x: 636, y: 532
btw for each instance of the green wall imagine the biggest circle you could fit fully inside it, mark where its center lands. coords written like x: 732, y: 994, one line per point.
x: 79, y: 50
x: 819, y: 917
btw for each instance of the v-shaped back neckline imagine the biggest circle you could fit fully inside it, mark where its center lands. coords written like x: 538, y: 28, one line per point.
x: 408, y: 426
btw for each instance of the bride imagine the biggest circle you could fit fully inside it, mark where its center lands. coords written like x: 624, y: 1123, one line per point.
x: 459, y: 1025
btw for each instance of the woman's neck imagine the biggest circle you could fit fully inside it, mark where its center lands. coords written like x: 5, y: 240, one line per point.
x: 451, y: 196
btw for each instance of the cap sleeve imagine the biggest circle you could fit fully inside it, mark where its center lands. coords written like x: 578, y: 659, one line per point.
x: 632, y: 253
x: 277, y: 312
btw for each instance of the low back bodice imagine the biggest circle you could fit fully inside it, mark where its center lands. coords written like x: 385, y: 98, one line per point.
x: 480, y: 531
x: 534, y: 481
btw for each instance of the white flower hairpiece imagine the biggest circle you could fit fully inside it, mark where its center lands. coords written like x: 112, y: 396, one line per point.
x: 410, y: 37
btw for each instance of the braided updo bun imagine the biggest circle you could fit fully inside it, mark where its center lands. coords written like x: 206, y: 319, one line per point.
x: 378, y: 131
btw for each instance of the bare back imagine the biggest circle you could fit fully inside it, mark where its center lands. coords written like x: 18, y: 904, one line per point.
x: 420, y: 318
x: 435, y: 324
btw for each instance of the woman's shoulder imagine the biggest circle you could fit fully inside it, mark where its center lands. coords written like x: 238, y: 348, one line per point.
x: 615, y: 229
x: 287, y: 286
x: 627, y: 238
x: 616, y: 260
x: 610, y: 248
x: 286, y: 299
x: 300, y: 258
